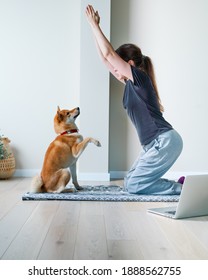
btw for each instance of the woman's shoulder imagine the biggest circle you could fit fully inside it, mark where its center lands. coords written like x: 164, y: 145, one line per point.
x: 139, y: 76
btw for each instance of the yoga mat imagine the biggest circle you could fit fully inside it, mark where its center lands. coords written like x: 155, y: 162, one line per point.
x: 100, y: 193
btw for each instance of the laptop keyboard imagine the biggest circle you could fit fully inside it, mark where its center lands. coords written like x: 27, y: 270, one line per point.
x: 171, y: 212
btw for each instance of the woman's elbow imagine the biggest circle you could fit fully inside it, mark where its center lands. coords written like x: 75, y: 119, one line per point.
x: 108, y: 54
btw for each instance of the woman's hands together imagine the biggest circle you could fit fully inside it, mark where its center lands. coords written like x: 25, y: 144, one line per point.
x: 92, y: 16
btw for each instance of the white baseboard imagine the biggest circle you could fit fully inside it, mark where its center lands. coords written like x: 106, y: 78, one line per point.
x: 172, y: 175
x: 117, y: 174
x: 93, y: 176
x: 176, y: 175
x: 81, y: 176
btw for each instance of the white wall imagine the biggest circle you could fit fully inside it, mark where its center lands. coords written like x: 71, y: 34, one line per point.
x: 39, y: 70
x: 174, y: 34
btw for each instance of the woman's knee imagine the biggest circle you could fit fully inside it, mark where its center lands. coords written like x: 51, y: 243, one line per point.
x: 135, y: 185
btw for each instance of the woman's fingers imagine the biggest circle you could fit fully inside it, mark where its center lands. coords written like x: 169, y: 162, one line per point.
x: 92, y: 16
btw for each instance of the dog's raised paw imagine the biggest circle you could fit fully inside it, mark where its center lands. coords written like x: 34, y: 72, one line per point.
x: 97, y: 143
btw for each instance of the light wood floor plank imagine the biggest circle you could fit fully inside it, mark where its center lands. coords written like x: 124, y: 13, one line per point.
x: 11, y: 223
x: 60, y: 240
x: 118, y: 224
x: 6, y: 185
x: 11, y: 195
x: 91, y: 238
x: 199, y: 227
x: 151, y: 240
x: 184, y: 241
x: 29, y: 240
x: 124, y: 250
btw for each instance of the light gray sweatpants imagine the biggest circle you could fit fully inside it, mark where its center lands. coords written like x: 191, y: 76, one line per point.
x: 154, y: 161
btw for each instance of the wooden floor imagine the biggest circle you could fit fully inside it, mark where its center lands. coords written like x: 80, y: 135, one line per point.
x: 93, y: 230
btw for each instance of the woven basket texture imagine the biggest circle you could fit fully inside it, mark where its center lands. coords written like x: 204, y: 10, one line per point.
x: 7, y: 167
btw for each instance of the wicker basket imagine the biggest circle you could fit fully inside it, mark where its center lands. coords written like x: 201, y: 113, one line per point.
x: 7, y: 167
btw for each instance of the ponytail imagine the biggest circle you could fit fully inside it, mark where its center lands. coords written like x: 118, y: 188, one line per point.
x: 148, y: 68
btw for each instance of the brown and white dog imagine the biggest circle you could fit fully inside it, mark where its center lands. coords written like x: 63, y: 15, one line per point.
x: 62, y: 153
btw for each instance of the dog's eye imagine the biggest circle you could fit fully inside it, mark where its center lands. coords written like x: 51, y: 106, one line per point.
x: 68, y: 114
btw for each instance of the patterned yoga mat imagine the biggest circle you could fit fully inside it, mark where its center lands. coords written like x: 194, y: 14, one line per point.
x: 100, y: 193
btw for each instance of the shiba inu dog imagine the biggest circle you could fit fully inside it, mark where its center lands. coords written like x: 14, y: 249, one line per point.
x: 62, y: 155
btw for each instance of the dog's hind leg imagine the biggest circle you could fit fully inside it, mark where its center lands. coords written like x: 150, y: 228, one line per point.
x: 64, y: 177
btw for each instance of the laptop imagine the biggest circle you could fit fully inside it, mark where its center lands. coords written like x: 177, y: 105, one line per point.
x: 193, y: 201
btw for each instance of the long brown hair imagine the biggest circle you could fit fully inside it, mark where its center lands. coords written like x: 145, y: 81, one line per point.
x: 132, y: 52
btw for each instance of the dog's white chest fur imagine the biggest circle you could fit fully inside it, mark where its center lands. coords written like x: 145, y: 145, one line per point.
x: 79, y: 137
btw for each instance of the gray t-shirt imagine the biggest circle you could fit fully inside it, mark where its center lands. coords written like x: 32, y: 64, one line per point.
x: 142, y: 107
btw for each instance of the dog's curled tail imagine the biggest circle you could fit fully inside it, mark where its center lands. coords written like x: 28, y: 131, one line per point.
x: 36, y: 184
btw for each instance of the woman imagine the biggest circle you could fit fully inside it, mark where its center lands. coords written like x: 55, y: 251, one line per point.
x: 161, y: 144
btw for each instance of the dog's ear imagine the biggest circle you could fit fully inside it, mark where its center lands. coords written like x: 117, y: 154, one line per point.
x: 60, y: 117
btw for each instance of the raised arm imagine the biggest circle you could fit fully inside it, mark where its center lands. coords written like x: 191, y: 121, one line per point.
x: 116, y: 65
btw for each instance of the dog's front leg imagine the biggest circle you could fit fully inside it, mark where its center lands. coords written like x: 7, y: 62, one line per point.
x: 79, y: 148
x: 73, y: 169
